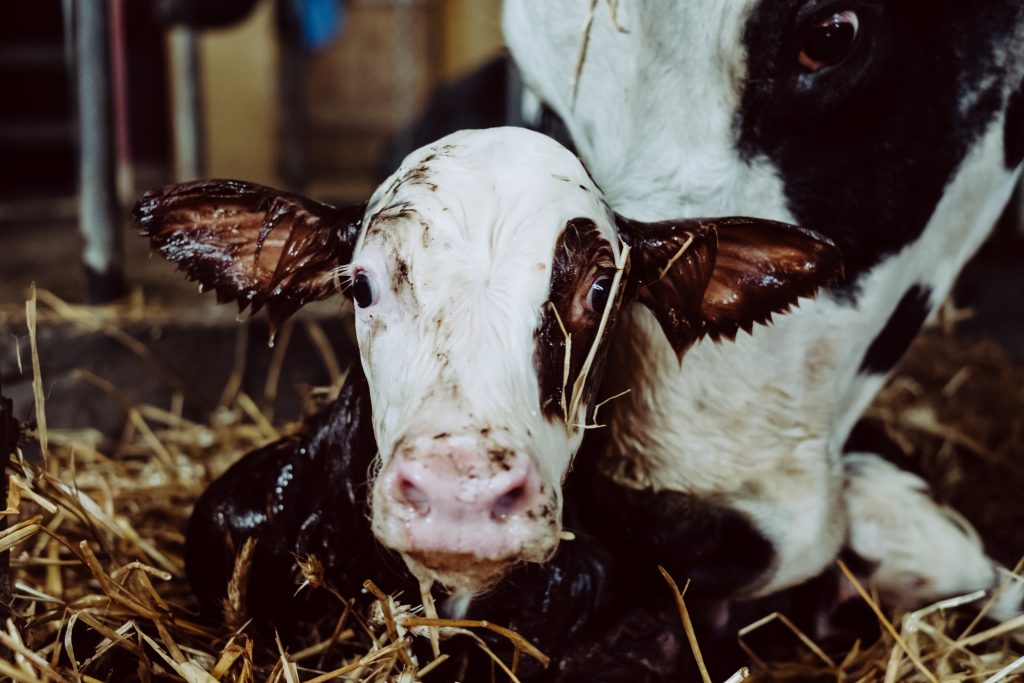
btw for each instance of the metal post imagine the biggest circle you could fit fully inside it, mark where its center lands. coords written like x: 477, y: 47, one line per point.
x: 122, y: 113
x: 186, y: 85
x: 103, y: 255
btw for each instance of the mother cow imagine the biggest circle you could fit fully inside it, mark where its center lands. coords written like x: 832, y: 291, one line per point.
x: 897, y: 129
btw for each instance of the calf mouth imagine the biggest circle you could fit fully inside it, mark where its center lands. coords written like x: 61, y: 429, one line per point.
x: 460, y: 565
x: 460, y: 572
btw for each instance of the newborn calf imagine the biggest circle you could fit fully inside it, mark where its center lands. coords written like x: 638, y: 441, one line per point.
x: 487, y: 274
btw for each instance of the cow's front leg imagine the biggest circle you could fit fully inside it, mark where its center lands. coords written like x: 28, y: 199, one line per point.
x: 917, y: 551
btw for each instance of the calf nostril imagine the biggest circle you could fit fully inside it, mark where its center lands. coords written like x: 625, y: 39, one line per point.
x: 414, y: 496
x: 508, y: 502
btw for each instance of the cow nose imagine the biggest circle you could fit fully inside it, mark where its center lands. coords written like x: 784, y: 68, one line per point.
x: 464, y: 486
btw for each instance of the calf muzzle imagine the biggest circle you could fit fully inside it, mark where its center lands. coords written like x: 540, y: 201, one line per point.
x: 457, y: 504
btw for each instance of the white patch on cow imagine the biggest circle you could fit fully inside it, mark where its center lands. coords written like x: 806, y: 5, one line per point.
x: 617, y: 118
x: 718, y: 426
x: 757, y: 424
x: 970, y: 206
x: 762, y: 421
x: 477, y: 243
x: 921, y: 551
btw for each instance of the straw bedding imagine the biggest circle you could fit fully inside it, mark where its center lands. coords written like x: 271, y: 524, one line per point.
x: 96, y: 539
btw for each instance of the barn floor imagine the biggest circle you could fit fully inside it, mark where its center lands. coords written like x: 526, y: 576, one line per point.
x: 108, y: 565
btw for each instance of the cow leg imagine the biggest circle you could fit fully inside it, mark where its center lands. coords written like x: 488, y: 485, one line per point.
x: 917, y: 551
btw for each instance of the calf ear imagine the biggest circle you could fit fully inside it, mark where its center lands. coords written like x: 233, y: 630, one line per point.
x: 252, y: 244
x: 716, y: 276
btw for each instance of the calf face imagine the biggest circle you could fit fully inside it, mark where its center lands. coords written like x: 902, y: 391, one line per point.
x: 486, y: 276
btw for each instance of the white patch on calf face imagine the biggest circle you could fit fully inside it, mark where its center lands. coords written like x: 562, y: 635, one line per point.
x: 459, y: 244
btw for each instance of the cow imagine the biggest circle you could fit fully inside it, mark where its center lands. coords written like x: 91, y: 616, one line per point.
x: 486, y: 276
x: 895, y: 128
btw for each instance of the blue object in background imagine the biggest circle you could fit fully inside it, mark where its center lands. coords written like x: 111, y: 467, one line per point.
x: 320, y: 22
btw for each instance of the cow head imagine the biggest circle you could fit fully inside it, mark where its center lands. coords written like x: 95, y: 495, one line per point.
x: 486, y: 275
x: 854, y: 116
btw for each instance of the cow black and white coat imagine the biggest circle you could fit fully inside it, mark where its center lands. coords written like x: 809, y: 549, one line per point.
x: 897, y: 129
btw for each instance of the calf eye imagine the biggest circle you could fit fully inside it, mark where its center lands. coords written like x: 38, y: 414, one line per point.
x: 364, y: 291
x: 597, y: 297
x: 828, y: 42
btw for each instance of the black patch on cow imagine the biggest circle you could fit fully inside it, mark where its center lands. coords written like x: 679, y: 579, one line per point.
x: 581, y: 254
x: 551, y: 125
x: 813, y: 607
x: 718, y: 548
x: 858, y: 564
x: 308, y: 495
x: 870, y: 436
x: 865, y: 149
x: 554, y: 602
x: 895, y: 338
x: 1014, y: 133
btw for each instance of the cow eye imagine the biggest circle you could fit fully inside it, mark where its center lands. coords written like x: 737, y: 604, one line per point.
x: 829, y: 41
x: 597, y: 297
x: 364, y: 290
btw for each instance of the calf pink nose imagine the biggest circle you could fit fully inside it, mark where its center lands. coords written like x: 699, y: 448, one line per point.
x: 466, y: 487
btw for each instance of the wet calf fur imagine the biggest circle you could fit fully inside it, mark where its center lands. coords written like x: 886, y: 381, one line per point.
x: 308, y: 495
x: 598, y: 607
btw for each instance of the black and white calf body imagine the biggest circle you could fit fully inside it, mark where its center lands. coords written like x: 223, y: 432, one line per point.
x: 892, y: 127
x: 487, y: 275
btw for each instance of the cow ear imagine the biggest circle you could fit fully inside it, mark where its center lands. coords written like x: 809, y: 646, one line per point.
x: 715, y: 277
x: 670, y: 265
x: 255, y: 245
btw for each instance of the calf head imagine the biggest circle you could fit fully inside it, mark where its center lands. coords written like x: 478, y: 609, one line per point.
x: 486, y: 276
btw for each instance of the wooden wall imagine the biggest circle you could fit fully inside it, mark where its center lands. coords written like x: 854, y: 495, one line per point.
x: 239, y: 67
